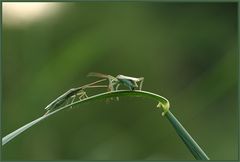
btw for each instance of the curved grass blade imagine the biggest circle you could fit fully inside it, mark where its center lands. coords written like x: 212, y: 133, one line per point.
x: 194, y: 148
x: 161, y: 99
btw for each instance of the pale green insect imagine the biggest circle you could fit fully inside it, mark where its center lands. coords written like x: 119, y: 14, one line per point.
x: 71, y: 94
x: 127, y: 81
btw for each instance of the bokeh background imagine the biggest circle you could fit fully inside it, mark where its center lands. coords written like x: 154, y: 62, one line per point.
x: 187, y: 52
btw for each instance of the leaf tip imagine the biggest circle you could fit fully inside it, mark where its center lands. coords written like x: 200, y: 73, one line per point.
x: 165, y: 107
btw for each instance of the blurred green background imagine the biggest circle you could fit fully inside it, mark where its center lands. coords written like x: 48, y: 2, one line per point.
x: 187, y: 52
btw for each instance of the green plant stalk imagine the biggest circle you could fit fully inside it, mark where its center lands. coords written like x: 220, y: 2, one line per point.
x: 163, y: 103
x: 195, y: 149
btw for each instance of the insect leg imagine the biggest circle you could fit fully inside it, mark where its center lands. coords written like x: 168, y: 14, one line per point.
x: 117, y: 87
x: 81, y: 95
x: 47, y: 112
x: 85, y: 94
x: 116, y: 90
x: 111, y: 85
x: 141, y: 83
x: 73, y: 98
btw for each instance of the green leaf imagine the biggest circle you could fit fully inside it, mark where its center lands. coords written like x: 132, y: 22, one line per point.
x: 194, y: 148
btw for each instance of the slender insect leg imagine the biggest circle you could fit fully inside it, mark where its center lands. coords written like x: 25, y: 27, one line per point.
x: 110, y: 89
x: 131, y: 87
x: 117, y: 87
x: 47, y: 112
x: 81, y: 95
x: 116, y: 90
x: 110, y: 86
x: 85, y: 94
x: 141, y: 83
x: 73, y: 98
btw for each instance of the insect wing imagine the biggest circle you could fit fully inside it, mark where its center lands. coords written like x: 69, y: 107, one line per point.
x: 100, y: 75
